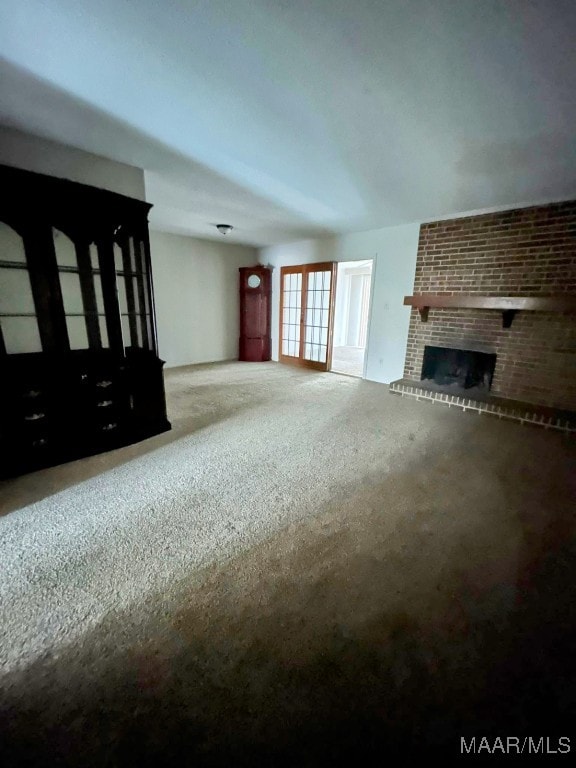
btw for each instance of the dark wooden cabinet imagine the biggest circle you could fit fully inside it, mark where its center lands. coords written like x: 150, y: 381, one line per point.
x: 79, y: 370
x: 255, y: 314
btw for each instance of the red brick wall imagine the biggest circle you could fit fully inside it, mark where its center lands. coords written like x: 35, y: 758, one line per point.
x: 525, y: 252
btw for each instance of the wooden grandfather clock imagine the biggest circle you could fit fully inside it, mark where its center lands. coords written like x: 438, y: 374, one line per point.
x: 255, y: 314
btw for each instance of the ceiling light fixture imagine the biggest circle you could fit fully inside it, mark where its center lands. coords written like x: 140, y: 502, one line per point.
x: 224, y: 228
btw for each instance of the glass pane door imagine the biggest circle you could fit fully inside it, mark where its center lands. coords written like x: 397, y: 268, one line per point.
x: 291, y: 310
x: 306, y: 315
x: 317, y: 315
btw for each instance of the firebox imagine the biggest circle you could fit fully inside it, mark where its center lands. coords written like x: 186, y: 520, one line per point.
x: 464, y: 368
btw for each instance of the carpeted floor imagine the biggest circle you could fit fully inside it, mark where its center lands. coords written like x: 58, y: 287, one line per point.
x: 348, y: 360
x: 307, y: 570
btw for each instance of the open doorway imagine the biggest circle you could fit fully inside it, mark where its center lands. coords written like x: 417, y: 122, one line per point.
x: 351, y: 317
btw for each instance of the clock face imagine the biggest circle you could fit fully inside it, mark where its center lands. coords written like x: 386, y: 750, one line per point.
x: 254, y: 281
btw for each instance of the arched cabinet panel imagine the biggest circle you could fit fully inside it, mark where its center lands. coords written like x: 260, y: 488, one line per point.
x: 73, y: 303
x: 78, y: 357
x: 134, y: 294
x: 18, y: 317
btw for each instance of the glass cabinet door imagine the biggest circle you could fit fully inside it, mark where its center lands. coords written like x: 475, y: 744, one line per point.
x: 81, y: 288
x: 133, y: 293
x: 98, y: 294
x: 18, y: 317
x: 85, y: 277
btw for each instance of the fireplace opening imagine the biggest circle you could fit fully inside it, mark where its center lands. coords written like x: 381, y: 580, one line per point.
x: 458, y: 368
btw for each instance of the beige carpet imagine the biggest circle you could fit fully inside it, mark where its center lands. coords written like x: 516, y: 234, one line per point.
x: 306, y: 569
x: 348, y: 360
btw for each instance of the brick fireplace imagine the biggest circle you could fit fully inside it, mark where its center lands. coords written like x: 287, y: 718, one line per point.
x: 529, y: 252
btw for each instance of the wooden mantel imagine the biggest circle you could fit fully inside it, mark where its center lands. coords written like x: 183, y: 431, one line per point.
x: 508, y: 305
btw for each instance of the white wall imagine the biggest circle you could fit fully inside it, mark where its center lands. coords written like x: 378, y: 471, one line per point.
x: 32, y: 153
x: 394, y: 252
x: 196, y: 295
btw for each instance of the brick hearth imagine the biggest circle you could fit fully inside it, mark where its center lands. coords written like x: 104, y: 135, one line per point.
x: 538, y: 416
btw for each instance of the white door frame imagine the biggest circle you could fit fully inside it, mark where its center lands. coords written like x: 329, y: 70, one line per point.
x: 372, y: 259
x: 369, y: 328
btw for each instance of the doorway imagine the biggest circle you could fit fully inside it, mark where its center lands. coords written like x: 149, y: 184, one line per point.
x: 307, y: 314
x: 352, y: 308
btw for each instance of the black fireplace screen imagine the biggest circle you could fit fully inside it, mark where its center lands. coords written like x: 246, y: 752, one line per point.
x: 462, y: 367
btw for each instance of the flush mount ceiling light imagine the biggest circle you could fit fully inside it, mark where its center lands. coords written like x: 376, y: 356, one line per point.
x: 224, y: 228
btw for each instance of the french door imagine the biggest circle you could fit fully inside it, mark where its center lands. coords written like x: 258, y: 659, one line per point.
x: 307, y: 314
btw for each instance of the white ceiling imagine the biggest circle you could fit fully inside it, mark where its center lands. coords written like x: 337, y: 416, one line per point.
x: 292, y: 118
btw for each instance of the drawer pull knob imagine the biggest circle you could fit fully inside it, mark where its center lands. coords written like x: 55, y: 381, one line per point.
x: 34, y: 416
x: 105, y: 403
x: 103, y: 384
